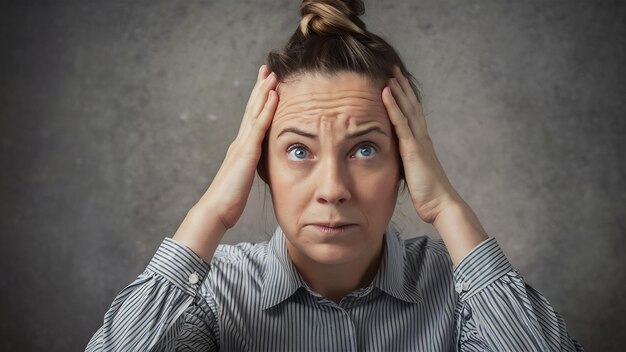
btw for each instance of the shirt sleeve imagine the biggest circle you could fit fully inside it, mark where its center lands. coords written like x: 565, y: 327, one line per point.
x: 162, y: 310
x: 498, y: 311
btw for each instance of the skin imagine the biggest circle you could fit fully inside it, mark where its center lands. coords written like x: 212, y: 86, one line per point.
x: 324, y: 177
x: 331, y: 177
x: 333, y: 182
x: 435, y: 200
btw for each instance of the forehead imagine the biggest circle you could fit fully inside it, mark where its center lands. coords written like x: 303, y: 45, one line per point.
x: 312, y: 97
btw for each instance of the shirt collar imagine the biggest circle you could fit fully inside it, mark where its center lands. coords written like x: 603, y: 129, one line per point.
x: 282, y: 280
x: 395, y: 277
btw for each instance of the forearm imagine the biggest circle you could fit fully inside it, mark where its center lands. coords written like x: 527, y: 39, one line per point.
x: 150, y: 313
x: 497, y: 308
x: 460, y: 229
x: 496, y: 299
x: 201, y: 231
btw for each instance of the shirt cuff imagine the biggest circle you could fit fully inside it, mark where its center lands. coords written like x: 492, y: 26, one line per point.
x: 180, y: 265
x: 481, y: 266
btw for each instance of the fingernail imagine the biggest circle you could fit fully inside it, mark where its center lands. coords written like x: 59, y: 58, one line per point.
x: 261, y: 69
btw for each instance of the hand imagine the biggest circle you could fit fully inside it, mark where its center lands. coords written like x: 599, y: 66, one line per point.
x: 228, y: 193
x: 428, y: 184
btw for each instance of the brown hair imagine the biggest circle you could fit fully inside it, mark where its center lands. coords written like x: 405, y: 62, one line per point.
x: 331, y: 38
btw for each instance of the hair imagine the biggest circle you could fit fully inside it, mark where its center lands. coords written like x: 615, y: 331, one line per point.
x: 330, y: 39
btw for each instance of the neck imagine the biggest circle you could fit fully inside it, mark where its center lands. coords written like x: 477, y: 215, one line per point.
x: 335, y: 281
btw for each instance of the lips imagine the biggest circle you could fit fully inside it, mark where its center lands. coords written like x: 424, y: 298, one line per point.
x: 333, y: 228
x: 334, y: 224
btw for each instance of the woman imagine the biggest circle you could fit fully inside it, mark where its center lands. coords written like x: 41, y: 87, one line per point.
x: 334, y: 126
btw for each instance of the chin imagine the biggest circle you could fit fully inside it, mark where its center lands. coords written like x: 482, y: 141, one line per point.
x: 331, y: 254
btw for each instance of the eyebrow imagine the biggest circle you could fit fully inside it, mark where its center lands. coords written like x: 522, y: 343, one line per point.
x: 350, y: 136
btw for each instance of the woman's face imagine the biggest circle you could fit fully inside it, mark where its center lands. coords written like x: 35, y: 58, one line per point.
x: 332, y: 159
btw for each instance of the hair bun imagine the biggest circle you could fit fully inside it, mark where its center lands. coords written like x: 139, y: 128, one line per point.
x: 331, y: 17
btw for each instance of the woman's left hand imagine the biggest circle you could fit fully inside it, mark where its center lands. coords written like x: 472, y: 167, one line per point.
x: 430, y: 189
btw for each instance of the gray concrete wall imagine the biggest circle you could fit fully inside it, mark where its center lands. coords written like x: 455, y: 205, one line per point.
x: 115, y: 116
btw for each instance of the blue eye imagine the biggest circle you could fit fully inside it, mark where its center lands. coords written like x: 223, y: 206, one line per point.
x: 366, y: 151
x: 297, y: 152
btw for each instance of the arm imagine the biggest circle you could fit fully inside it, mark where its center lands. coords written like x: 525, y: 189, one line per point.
x: 497, y: 310
x: 162, y: 309
x: 460, y: 230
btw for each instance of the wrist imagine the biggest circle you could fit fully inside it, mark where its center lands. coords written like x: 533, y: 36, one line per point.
x: 201, y: 232
x: 460, y: 229
x: 449, y: 210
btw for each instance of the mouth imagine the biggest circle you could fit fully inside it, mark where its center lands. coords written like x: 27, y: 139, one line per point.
x: 333, y: 229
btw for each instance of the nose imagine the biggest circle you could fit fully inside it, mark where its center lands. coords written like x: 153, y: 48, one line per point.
x: 333, y: 183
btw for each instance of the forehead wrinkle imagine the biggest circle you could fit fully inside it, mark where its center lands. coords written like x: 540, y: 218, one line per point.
x: 353, y: 117
x: 348, y: 117
x: 348, y: 99
x: 367, y: 94
x: 354, y: 106
x: 330, y: 127
x: 358, y: 113
x: 304, y: 104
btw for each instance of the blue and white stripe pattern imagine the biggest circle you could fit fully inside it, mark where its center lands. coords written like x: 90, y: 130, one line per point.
x: 251, y: 298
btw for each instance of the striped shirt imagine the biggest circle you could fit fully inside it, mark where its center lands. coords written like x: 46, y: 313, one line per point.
x: 251, y: 298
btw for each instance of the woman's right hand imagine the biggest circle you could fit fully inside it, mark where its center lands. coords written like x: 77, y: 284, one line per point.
x: 224, y: 201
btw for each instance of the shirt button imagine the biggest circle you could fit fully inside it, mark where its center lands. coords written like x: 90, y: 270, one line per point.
x: 461, y: 286
x: 467, y: 313
x: 193, y: 278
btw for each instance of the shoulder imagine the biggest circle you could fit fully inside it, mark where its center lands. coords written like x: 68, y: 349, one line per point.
x: 424, y: 250
x: 429, y: 267
x: 237, y: 253
x: 234, y: 266
x: 428, y: 244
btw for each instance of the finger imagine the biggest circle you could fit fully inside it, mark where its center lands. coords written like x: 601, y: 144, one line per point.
x: 405, y: 84
x: 397, y: 118
x: 409, y: 103
x: 261, y: 97
x: 261, y: 76
x: 265, y: 117
x: 258, y: 97
x: 262, y: 73
x: 408, y: 110
x: 400, y: 97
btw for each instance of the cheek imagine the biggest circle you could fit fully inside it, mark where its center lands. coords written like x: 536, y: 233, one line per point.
x: 287, y: 188
x: 382, y: 188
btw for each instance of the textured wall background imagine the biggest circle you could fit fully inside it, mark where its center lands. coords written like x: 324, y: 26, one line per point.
x: 114, y: 117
